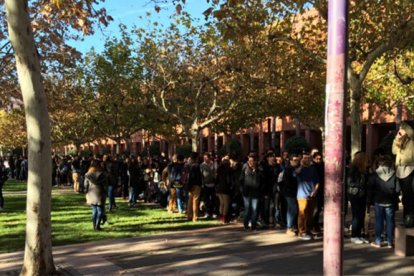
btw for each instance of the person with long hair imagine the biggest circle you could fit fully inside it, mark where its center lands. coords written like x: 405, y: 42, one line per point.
x: 403, y: 148
x: 356, y: 181
x: 96, y: 185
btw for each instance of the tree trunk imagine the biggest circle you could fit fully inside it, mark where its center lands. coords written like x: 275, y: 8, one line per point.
x: 194, y: 139
x: 117, y: 147
x: 297, y: 127
x: 274, y: 132
x: 38, y: 259
x: 251, y: 133
x: 356, y: 125
x: 192, y: 132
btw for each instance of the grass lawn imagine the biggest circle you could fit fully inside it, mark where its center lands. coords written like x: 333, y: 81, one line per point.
x: 72, y: 222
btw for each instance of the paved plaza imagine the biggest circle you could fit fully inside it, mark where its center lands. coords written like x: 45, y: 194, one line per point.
x: 223, y: 250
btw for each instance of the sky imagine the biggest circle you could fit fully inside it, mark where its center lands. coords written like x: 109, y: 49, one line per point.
x: 128, y: 12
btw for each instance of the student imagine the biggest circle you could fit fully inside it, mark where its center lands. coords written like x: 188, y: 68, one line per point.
x: 403, y: 148
x: 356, y: 182
x: 308, y: 185
x: 96, y: 185
x: 383, y: 191
x: 251, y: 189
x: 194, y: 187
x: 223, y: 186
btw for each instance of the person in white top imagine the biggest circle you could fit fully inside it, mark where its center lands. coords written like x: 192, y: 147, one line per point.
x: 403, y: 148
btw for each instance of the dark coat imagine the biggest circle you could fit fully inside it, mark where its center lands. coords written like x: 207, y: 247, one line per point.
x: 194, y: 176
x: 383, y: 187
x: 289, y: 185
x: 251, y: 181
x: 224, y: 181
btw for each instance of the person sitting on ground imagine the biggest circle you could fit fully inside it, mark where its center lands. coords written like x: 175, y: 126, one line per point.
x: 96, y: 185
x: 383, y: 191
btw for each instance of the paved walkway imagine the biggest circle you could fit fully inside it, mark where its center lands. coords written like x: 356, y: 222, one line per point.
x: 216, y: 251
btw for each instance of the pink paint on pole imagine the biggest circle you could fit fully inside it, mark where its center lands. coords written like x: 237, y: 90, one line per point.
x: 334, y: 139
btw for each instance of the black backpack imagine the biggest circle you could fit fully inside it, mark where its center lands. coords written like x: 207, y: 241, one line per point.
x: 356, y: 187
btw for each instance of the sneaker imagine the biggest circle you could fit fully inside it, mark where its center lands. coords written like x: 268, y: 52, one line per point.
x: 290, y: 233
x: 305, y: 237
x: 246, y: 229
x: 390, y: 245
x: 364, y: 240
x: 356, y: 241
x: 376, y: 245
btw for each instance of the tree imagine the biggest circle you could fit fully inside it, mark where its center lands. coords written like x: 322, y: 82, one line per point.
x: 12, y: 129
x: 77, y: 14
x: 114, y: 97
x: 38, y: 258
x: 375, y: 29
x: 389, y: 83
x: 189, y: 76
x: 285, y: 79
x: 69, y: 125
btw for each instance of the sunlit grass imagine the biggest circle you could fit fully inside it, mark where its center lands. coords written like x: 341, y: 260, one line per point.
x: 72, y: 223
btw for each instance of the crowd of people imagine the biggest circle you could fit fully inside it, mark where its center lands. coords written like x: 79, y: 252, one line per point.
x: 282, y: 191
x: 15, y: 167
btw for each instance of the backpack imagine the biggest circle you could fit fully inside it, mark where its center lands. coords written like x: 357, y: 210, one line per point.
x: 355, y: 186
x: 179, y: 176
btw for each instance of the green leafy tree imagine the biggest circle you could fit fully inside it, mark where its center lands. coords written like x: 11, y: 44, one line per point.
x: 114, y: 98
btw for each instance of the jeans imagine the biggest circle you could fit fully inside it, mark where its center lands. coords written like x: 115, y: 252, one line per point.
x: 133, y: 194
x: 384, y: 214
x: 111, y: 197
x: 292, y: 212
x: 358, y: 206
x: 179, y: 192
x: 96, y: 215
x: 250, y: 211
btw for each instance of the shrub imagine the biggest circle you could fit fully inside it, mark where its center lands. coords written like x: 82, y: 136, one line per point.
x: 185, y: 150
x: 233, y: 148
x: 297, y: 144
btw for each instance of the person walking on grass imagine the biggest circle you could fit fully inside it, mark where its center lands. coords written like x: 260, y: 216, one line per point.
x: 383, y: 191
x: 96, y: 185
x: 3, y: 179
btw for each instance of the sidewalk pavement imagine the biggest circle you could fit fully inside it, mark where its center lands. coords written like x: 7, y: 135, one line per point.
x: 226, y: 250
